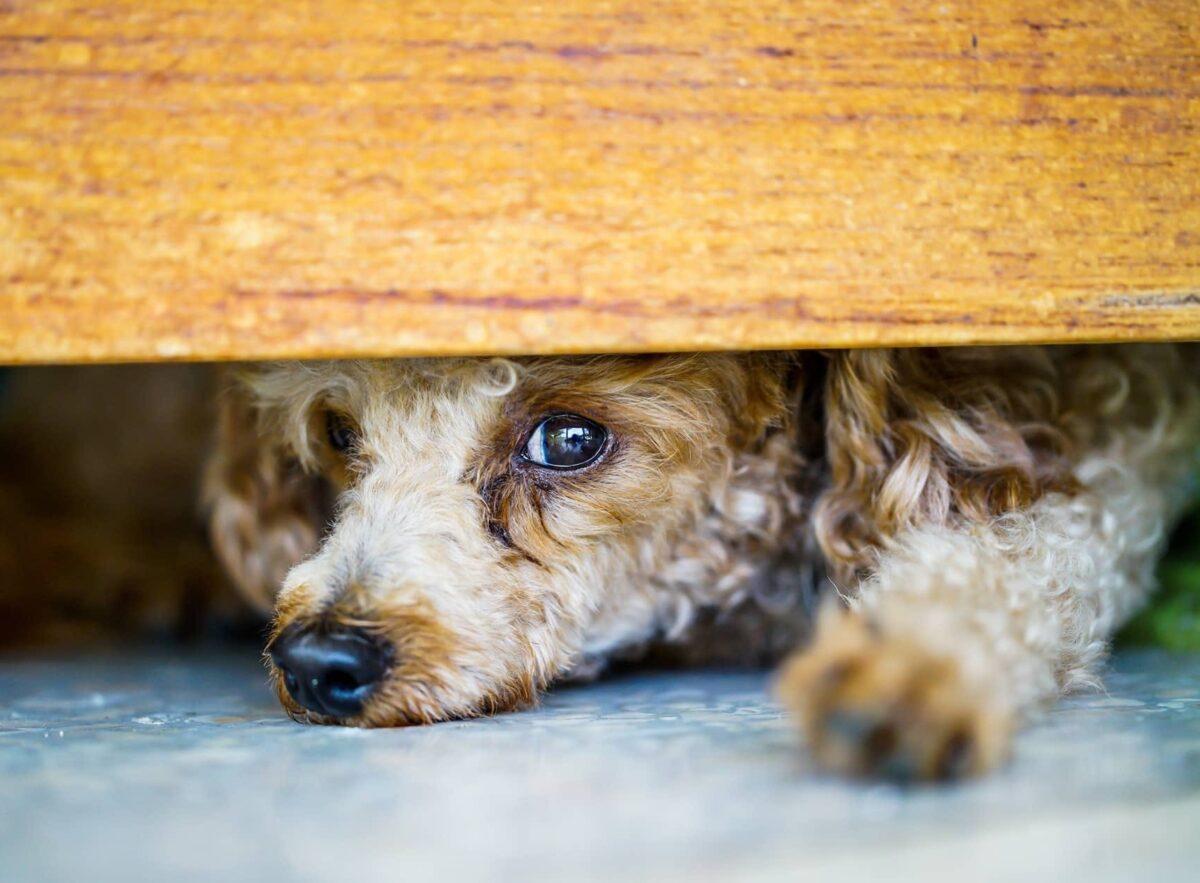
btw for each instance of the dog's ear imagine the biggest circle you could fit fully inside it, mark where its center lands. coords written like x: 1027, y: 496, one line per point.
x: 933, y: 436
x: 757, y: 392
x: 264, y: 513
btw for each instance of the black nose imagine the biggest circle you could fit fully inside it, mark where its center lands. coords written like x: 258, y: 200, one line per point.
x: 330, y: 672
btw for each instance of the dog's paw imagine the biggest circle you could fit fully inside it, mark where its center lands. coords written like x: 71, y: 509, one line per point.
x: 885, y: 707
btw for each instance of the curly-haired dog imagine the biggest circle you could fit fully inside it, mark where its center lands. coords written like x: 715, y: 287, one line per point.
x: 447, y: 537
x: 444, y: 538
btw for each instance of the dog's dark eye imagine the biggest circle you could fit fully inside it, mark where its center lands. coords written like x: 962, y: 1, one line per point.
x: 565, y: 441
x: 341, y: 434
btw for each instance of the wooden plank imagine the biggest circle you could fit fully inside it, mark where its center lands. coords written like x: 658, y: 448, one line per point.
x: 206, y: 179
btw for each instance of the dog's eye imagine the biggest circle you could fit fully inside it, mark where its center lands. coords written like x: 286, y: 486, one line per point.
x: 341, y: 434
x: 565, y: 441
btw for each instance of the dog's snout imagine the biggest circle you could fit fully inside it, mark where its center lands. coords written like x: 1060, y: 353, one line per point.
x: 331, y: 672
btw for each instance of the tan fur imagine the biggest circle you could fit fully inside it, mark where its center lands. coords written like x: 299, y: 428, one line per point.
x: 264, y: 510
x: 999, y: 609
x: 986, y: 518
x: 936, y: 436
x: 877, y: 703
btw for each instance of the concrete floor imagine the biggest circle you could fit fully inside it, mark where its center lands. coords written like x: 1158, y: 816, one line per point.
x: 148, y: 765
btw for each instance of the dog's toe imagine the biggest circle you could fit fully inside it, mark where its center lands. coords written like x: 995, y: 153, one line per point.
x: 886, y: 708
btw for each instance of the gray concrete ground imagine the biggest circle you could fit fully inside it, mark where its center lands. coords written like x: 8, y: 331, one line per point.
x: 146, y: 765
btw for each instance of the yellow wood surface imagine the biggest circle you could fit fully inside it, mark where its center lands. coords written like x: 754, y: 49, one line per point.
x: 263, y: 178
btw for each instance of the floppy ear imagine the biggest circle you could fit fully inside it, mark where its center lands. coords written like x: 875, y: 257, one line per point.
x: 264, y: 513
x: 933, y: 436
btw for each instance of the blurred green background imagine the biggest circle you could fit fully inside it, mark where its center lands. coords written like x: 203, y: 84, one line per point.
x: 1173, y: 618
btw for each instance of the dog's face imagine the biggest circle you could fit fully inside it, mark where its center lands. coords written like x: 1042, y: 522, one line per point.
x: 496, y: 522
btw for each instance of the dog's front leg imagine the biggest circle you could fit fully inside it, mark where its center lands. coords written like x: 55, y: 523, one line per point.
x: 959, y: 633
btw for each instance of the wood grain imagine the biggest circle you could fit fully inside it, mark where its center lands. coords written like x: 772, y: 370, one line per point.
x: 212, y: 180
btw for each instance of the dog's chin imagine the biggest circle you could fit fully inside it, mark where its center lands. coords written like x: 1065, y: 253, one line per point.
x: 409, y: 705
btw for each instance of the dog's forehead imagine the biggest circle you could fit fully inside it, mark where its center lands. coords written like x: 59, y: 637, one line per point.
x: 482, y: 396
x: 415, y: 381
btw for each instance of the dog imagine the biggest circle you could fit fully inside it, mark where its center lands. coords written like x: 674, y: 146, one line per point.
x: 445, y: 538
x: 937, y: 542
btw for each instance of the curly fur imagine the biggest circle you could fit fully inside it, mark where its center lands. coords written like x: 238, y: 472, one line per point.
x: 983, y: 518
